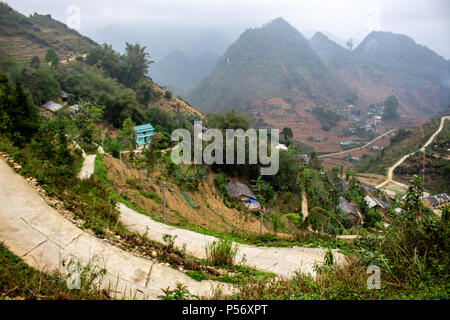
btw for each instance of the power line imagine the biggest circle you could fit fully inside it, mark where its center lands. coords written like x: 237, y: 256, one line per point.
x: 400, y: 40
x: 395, y: 54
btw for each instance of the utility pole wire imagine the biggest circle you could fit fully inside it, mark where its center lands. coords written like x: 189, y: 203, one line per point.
x: 396, y: 55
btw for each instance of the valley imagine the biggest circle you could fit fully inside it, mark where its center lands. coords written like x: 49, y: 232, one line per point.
x: 94, y: 204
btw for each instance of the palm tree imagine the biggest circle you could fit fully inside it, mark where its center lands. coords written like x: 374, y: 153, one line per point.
x: 137, y: 63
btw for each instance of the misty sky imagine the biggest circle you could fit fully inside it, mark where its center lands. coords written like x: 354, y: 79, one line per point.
x: 426, y: 21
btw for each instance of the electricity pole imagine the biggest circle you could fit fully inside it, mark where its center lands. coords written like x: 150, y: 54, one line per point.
x: 262, y: 212
x: 164, y: 200
x: 121, y: 171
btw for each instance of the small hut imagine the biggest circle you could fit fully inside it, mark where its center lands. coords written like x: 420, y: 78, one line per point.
x: 243, y: 193
x: 349, y: 210
x: 50, y: 108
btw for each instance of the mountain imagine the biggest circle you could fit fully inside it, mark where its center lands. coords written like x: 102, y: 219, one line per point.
x: 272, y: 62
x: 25, y: 37
x: 331, y: 53
x: 209, y: 41
x: 180, y: 72
x: 419, y: 77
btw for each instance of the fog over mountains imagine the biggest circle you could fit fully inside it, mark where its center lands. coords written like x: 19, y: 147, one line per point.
x: 276, y: 61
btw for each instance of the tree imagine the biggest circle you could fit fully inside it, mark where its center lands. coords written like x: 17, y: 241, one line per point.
x: 152, y: 153
x: 52, y: 57
x: 145, y: 92
x: 41, y: 82
x: 89, y: 115
x: 390, y: 108
x: 413, y: 204
x: 35, y: 62
x: 18, y: 116
x: 287, y: 134
x: 127, y: 135
x: 136, y: 64
x: 277, y: 223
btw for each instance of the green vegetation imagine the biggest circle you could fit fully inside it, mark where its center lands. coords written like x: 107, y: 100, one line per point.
x: 390, y: 108
x: 413, y: 257
x: 19, y: 281
x: 25, y: 37
x: 221, y: 253
x: 404, y: 142
x: 327, y: 117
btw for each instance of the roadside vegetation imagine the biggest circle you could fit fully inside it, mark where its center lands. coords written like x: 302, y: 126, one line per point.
x: 18, y: 281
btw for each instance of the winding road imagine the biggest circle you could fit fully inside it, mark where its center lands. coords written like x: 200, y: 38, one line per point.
x: 43, y: 238
x: 359, y: 148
x: 284, y: 262
x: 391, y: 170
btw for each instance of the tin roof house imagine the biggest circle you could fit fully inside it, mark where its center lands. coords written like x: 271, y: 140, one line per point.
x: 50, y: 107
x: 437, y: 201
x: 144, y: 134
x: 349, y: 210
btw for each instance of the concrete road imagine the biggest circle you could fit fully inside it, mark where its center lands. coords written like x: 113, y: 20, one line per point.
x: 43, y: 238
x: 88, y: 167
x: 282, y: 261
x: 356, y: 149
x: 391, y: 170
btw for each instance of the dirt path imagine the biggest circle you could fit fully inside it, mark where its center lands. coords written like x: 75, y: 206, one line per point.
x: 282, y: 261
x: 360, y: 148
x: 43, y: 238
x: 305, y: 210
x: 88, y: 167
x: 402, y: 160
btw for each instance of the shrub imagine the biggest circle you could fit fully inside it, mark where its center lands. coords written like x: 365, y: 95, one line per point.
x: 221, y: 252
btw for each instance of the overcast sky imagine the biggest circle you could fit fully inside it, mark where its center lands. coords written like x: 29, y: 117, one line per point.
x: 426, y: 21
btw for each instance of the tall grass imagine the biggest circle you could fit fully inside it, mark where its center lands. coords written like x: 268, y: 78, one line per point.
x: 221, y: 252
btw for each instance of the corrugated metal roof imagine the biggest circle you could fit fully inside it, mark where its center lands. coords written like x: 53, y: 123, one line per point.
x: 347, y: 207
x: 144, y: 127
x: 52, y: 106
x: 237, y: 189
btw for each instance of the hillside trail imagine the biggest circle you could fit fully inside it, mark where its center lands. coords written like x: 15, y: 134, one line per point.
x: 284, y: 262
x: 87, y: 170
x: 357, y: 149
x: 43, y: 239
x: 402, y: 160
x: 305, y: 210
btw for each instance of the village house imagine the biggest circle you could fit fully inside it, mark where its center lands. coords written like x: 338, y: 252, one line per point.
x: 437, y: 201
x: 369, y: 189
x: 74, y: 109
x: 64, y: 96
x: 349, y: 210
x: 50, y: 108
x: 243, y: 193
x: 346, y: 143
x: 144, y: 134
x: 317, y: 139
x: 376, y: 204
x: 281, y: 146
